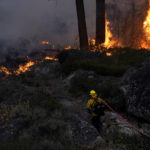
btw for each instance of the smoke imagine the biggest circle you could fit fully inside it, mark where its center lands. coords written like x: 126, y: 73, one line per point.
x: 24, y: 23
x: 37, y: 20
x: 40, y: 19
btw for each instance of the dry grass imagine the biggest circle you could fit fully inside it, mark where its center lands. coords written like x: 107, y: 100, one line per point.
x: 7, y: 113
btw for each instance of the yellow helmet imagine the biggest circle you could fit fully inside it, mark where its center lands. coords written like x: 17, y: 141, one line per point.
x: 92, y: 92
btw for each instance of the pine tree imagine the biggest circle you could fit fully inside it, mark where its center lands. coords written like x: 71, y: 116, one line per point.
x: 82, y: 25
x: 100, y: 21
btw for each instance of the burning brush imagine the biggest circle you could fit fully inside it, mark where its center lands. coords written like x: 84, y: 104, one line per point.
x: 26, y: 67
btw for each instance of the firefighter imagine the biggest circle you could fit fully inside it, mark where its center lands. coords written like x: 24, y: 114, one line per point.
x: 96, y: 108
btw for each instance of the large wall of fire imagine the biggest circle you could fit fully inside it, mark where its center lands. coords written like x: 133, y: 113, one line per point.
x: 129, y: 22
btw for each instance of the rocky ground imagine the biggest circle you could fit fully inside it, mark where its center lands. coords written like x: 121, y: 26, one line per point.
x: 45, y: 109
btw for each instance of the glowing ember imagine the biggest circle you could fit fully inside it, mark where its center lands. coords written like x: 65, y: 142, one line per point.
x: 5, y: 70
x: 146, y: 27
x: 24, y: 68
x: 92, y: 42
x: 68, y: 47
x: 45, y: 42
x: 51, y: 58
x: 108, y: 54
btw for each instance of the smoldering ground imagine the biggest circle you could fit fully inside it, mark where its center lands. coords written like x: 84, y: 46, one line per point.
x: 24, y: 23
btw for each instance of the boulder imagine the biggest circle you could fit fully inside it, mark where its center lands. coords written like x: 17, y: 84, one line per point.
x: 128, y: 74
x: 77, y: 74
x: 83, y: 133
x: 138, y: 97
x: 114, y: 122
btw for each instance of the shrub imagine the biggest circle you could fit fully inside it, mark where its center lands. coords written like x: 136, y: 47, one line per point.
x: 115, y: 65
x: 9, y: 112
x: 41, y: 98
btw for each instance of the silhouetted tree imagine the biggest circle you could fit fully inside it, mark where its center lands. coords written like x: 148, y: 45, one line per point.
x: 100, y: 21
x: 82, y: 25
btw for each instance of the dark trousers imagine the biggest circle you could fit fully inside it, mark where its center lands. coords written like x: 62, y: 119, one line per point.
x: 96, y: 122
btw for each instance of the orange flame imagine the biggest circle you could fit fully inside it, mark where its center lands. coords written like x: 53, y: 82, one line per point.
x: 45, y: 42
x: 24, y: 68
x: 109, y: 41
x: 146, y: 27
x: 21, y: 69
x: 51, y: 58
x: 5, y: 70
x: 92, y: 42
x: 108, y: 54
x: 68, y: 47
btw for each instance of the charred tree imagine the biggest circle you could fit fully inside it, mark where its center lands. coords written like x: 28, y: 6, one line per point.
x: 82, y: 25
x: 100, y: 21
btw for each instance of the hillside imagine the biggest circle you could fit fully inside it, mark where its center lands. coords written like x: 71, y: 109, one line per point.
x: 45, y: 108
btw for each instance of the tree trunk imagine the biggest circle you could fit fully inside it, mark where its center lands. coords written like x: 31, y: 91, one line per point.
x: 100, y: 21
x: 82, y: 25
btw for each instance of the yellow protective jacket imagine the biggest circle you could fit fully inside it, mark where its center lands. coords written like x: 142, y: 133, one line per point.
x: 91, y: 103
